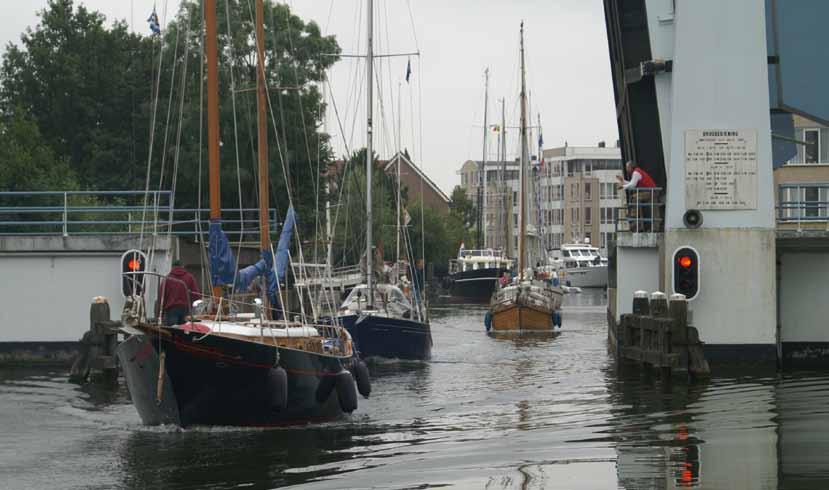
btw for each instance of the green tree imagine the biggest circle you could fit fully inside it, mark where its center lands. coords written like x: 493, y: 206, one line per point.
x: 81, y: 82
x: 463, y: 211
x: 93, y: 91
x: 349, y: 241
x: 27, y: 163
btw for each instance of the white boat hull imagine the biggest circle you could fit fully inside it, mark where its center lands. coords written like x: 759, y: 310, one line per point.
x: 586, y: 277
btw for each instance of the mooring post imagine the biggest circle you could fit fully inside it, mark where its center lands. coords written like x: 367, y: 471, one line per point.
x: 678, y: 309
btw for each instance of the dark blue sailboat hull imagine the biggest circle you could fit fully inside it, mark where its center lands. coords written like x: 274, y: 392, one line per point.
x: 394, y: 338
x: 213, y: 380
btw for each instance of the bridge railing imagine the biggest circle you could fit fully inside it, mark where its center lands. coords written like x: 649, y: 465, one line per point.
x: 644, y: 212
x: 65, y: 213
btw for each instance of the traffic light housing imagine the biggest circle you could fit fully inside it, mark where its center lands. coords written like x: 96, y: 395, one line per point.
x: 133, y: 263
x: 686, y: 272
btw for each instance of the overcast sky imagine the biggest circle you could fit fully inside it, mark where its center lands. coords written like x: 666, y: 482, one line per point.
x: 568, y: 73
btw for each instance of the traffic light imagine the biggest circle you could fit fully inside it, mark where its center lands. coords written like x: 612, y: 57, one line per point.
x: 133, y: 263
x: 686, y: 272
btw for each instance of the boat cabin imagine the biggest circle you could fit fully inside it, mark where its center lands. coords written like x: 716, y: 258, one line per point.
x: 472, y: 260
x: 388, y: 298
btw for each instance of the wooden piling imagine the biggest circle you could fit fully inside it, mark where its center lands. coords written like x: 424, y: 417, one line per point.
x: 657, y: 335
x: 96, y: 358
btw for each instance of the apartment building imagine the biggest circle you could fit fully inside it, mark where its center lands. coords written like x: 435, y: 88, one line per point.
x: 802, y: 183
x: 574, y: 197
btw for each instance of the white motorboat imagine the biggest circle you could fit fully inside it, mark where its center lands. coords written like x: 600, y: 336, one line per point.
x: 581, y: 265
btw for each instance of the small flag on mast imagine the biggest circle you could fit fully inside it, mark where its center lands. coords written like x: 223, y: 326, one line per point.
x: 153, y: 20
x: 541, y: 149
x: 408, y: 70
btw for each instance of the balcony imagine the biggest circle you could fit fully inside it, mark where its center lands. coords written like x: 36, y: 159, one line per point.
x: 641, y: 220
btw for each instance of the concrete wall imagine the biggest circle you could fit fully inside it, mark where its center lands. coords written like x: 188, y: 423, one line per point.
x: 804, y: 309
x: 48, y: 283
x: 737, y: 295
x: 636, y: 268
x: 720, y: 81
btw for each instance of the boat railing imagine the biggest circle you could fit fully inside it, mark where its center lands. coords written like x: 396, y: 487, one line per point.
x: 643, y: 213
x: 72, y: 213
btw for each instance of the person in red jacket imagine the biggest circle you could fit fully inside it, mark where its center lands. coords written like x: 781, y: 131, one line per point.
x: 176, y: 293
x: 643, y: 195
x: 639, y: 179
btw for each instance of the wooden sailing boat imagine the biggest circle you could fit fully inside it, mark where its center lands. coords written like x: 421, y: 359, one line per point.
x: 526, y: 304
x: 381, y: 319
x: 240, y: 369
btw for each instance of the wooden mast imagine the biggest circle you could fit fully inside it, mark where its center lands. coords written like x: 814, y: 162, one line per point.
x: 521, y: 170
x: 262, y: 127
x: 212, y: 116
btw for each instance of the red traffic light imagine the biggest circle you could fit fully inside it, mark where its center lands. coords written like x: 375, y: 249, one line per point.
x: 685, y: 261
x: 134, y: 265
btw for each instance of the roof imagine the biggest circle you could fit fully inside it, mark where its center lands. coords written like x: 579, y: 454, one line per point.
x: 417, y: 171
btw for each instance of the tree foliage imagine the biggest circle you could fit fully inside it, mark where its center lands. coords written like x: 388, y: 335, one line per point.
x: 106, y: 102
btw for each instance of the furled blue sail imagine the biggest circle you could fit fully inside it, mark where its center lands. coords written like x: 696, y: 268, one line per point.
x: 247, y: 275
x: 222, y: 263
x: 282, y: 249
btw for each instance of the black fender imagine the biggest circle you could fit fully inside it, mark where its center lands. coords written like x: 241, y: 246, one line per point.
x: 361, y: 377
x: 346, y: 391
x: 277, y: 388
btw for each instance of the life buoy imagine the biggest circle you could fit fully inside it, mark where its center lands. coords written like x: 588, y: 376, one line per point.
x: 361, y: 376
x: 278, y: 388
x: 346, y: 391
x: 488, y: 321
x: 557, y: 318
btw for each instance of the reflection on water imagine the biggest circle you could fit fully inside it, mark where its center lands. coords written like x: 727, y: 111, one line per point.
x: 486, y: 412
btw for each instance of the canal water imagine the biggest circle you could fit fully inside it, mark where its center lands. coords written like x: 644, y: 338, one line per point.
x: 485, y: 412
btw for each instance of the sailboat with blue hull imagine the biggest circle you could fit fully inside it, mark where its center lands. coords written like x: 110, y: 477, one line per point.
x: 387, y: 328
x: 381, y: 319
x: 224, y: 367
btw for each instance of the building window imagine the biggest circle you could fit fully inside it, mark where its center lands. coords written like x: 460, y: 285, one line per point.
x: 804, y: 202
x: 811, y: 151
x: 588, y: 216
x: 587, y: 191
x: 608, y: 191
x: 574, y: 192
x: 608, y: 215
x: 515, y: 219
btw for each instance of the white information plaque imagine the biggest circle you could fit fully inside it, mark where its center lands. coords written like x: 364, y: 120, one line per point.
x: 721, y: 169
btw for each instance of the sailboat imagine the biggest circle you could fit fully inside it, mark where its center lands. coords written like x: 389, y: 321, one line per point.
x: 240, y: 369
x: 382, y: 320
x: 474, y: 274
x: 526, y: 304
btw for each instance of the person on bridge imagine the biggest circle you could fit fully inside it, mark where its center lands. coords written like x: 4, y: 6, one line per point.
x: 642, y: 197
x: 639, y: 179
x: 176, y: 293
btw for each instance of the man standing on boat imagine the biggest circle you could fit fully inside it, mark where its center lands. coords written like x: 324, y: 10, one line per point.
x: 176, y: 293
x: 642, y: 196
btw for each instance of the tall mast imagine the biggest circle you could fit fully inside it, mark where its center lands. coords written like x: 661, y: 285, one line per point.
x: 262, y: 126
x: 522, y: 219
x: 369, y: 131
x: 212, y: 115
x: 482, y: 231
x: 507, y: 211
x: 399, y: 117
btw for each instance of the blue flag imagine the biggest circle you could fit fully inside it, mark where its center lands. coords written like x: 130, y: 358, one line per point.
x: 408, y: 70
x: 153, y: 20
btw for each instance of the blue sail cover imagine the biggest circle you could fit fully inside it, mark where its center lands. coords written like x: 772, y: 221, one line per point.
x: 222, y: 264
x: 264, y: 267
x: 285, y: 244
